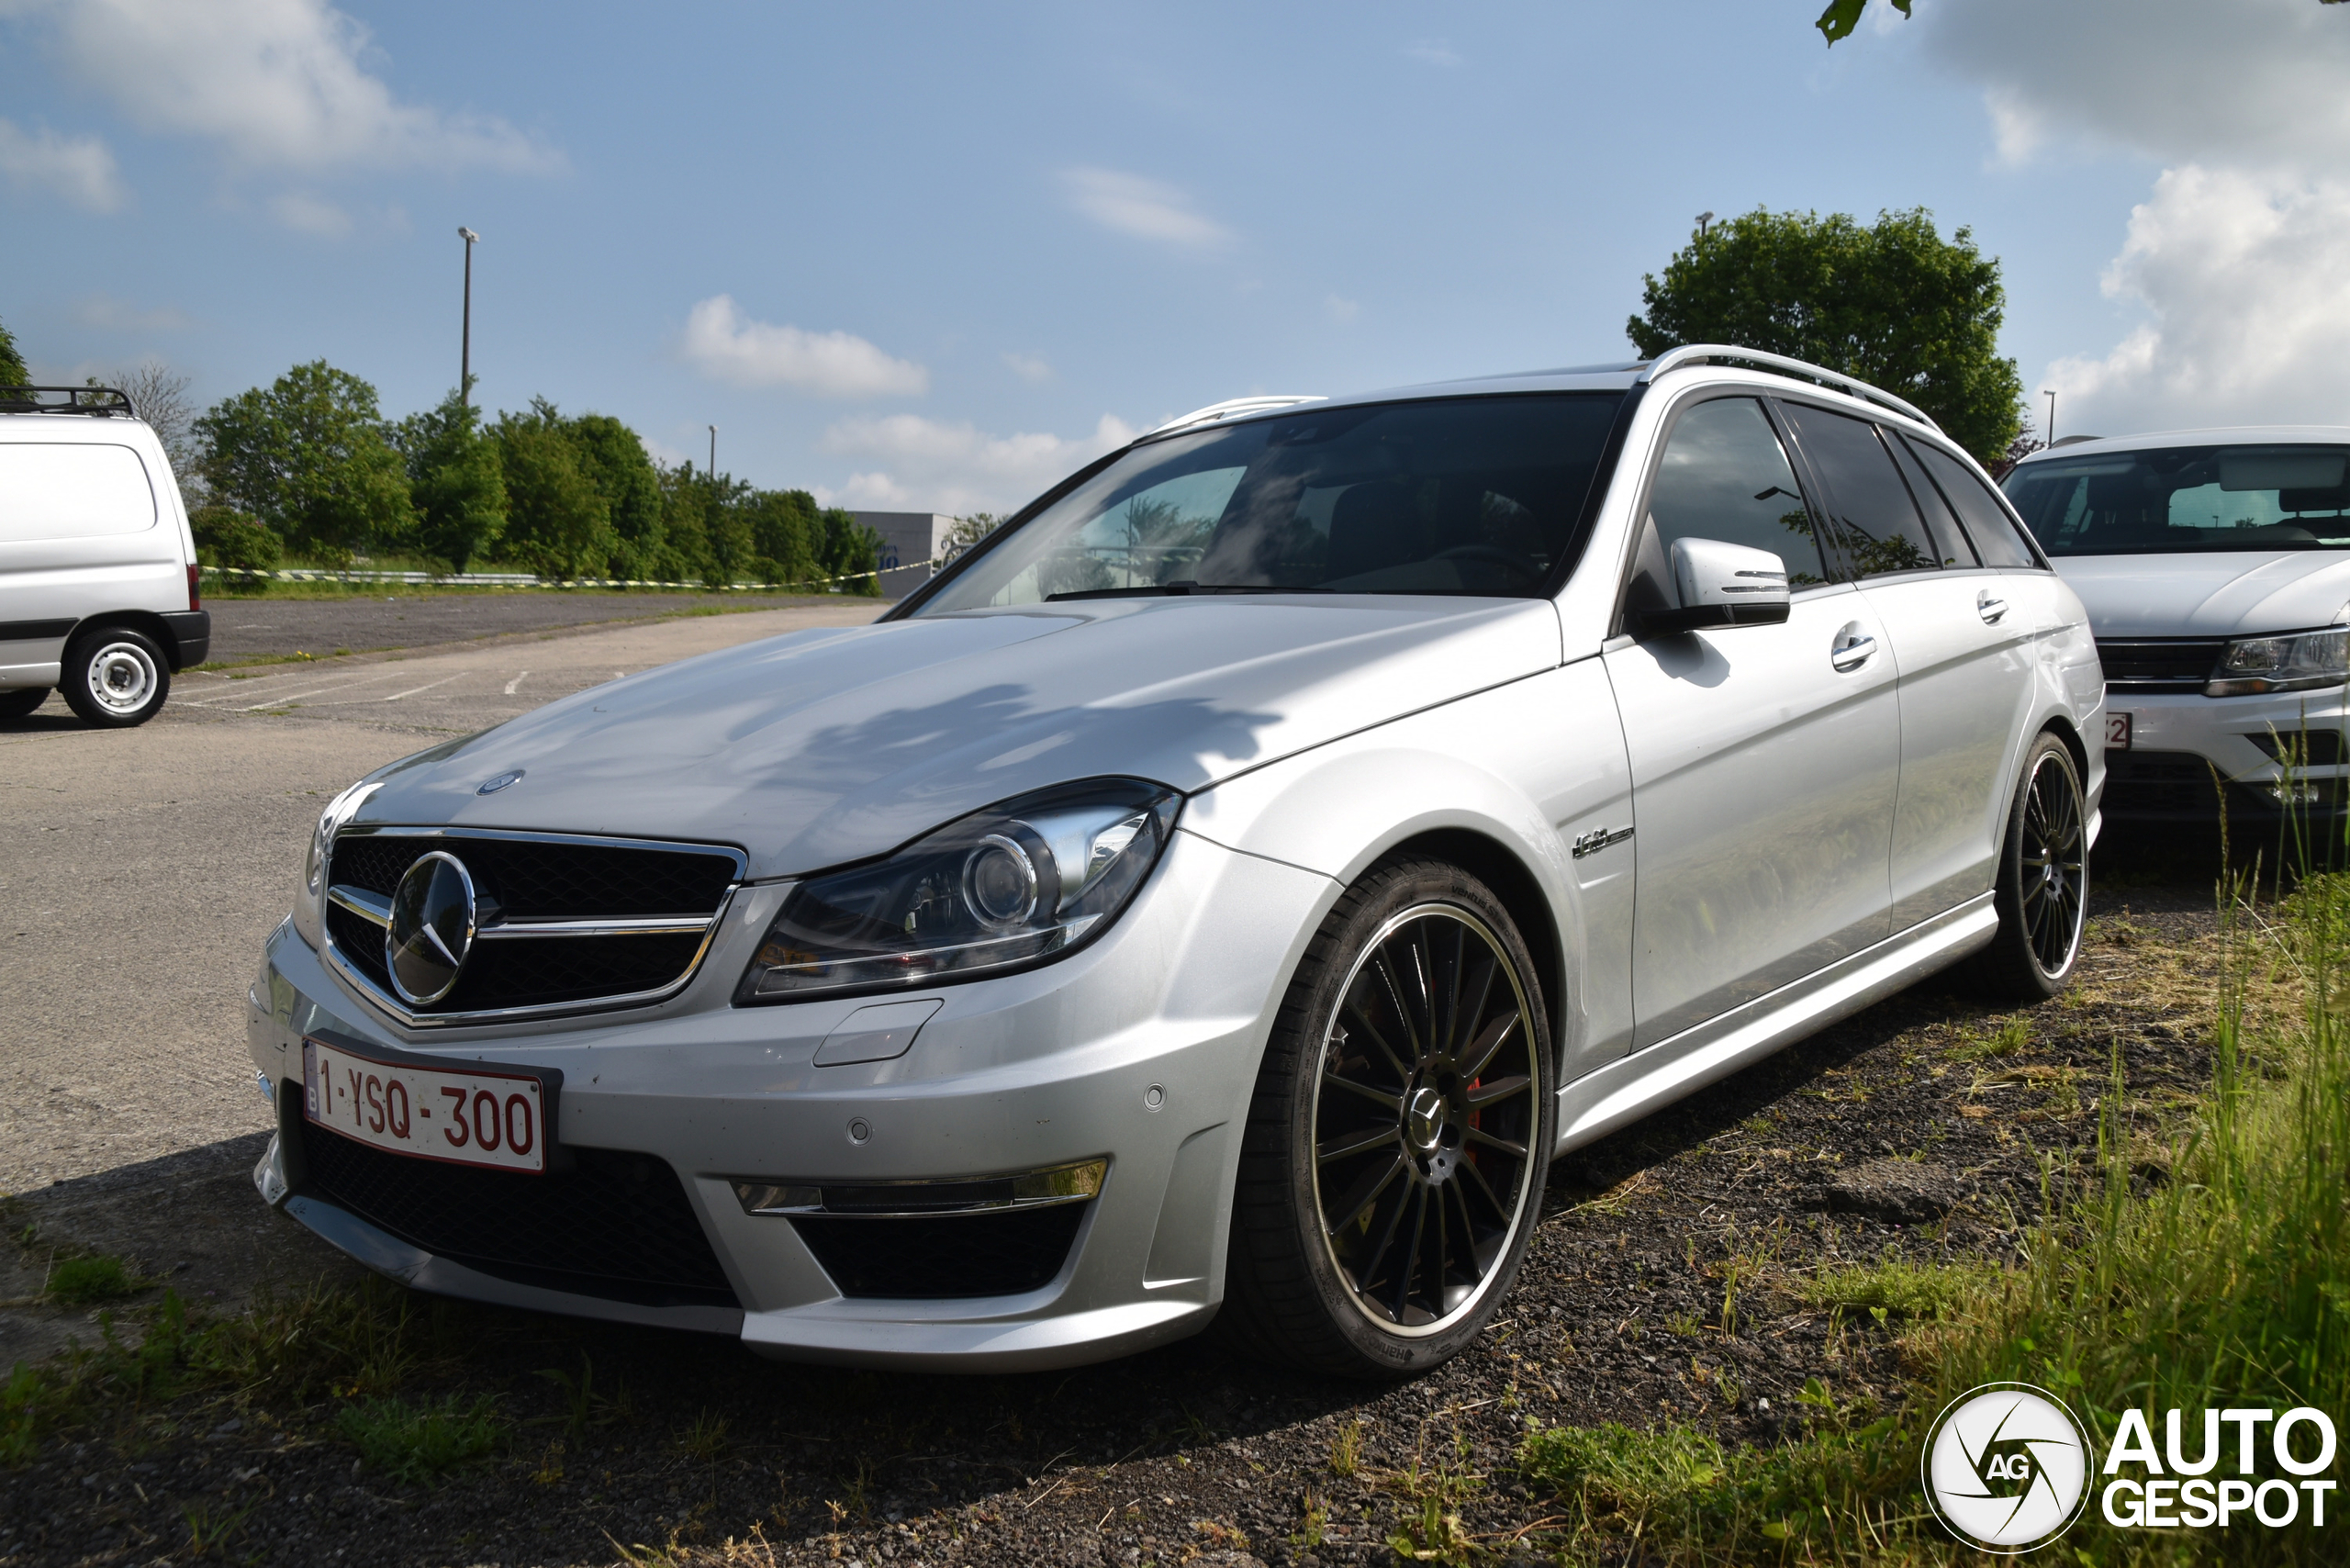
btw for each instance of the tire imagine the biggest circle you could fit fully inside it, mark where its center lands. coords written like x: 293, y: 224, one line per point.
x: 2042, y: 894
x: 1432, y: 1115
x: 21, y: 702
x: 115, y: 678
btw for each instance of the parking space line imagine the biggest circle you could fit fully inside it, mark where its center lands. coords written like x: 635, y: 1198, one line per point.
x: 515, y: 682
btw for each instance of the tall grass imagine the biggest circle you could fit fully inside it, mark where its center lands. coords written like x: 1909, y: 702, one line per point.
x: 2211, y: 1270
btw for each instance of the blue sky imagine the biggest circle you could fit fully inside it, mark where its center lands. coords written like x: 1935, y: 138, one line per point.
x: 936, y: 255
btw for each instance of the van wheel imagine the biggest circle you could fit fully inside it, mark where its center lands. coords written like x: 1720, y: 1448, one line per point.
x: 2043, y: 891
x: 115, y: 678
x: 1393, y: 1166
x: 21, y: 702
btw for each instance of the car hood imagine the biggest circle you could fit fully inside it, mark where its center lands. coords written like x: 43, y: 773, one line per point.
x: 2247, y: 593
x: 826, y: 746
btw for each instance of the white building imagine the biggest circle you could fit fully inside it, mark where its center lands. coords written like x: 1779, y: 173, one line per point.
x: 909, y: 540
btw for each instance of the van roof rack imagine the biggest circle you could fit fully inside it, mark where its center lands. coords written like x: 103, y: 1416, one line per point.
x: 103, y: 402
x: 1729, y: 353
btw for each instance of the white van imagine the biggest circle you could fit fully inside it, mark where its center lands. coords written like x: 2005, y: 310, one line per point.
x: 97, y: 569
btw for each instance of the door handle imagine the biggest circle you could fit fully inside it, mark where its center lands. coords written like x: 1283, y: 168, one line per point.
x: 1851, y: 649
x: 1990, y: 606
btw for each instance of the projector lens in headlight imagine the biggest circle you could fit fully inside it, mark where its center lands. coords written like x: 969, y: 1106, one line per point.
x: 2283, y: 664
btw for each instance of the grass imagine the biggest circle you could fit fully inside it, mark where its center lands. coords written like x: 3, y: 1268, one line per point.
x: 419, y: 1441
x: 85, y: 1281
x: 2223, y: 1281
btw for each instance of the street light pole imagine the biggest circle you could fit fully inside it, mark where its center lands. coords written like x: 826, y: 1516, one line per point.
x: 714, y: 454
x: 465, y: 346
x: 2052, y: 416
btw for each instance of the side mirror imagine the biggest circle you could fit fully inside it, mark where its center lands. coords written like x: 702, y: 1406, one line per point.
x: 1721, y: 584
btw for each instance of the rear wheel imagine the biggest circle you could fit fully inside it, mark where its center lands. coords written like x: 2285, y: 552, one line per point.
x: 115, y: 678
x: 2043, y: 891
x: 1396, y: 1147
x: 21, y: 702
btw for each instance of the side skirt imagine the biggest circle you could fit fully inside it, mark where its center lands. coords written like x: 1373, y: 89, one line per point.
x: 1630, y: 1087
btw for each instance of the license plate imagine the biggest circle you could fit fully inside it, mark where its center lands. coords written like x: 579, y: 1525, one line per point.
x: 2117, y: 732
x: 462, y: 1115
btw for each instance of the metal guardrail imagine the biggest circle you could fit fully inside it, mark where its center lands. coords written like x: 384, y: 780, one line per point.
x: 532, y: 580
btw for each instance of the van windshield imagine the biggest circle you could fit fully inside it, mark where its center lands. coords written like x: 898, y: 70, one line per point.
x: 2188, y: 497
x: 1457, y: 496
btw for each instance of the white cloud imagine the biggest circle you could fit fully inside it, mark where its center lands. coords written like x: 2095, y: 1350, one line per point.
x: 726, y: 345
x: 79, y: 168
x: 1144, y: 209
x: 279, y: 82
x: 1028, y: 367
x: 108, y: 314
x: 308, y: 215
x: 958, y: 468
x: 2241, y: 276
x: 1431, y: 52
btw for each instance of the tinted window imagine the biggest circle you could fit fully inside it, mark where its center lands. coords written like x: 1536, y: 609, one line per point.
x: 1875, y: 519
x: 1988, y: 522
x: 1724, y: 476
x: 53, y: 490
x: 2188, y: 497
x: 1940, y: 521
x: 1466, y: 495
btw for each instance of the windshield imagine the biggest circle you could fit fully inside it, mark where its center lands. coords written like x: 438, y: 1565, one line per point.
x: 2188, y: 497
x: 1462, y: 495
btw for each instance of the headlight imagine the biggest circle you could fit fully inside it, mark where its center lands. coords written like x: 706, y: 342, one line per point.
x: 2283, y: 664
x: 1013, y: 885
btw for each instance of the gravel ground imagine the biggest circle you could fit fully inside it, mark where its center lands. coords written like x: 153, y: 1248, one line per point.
x: 1904, y: 1129
x: 248, y: 629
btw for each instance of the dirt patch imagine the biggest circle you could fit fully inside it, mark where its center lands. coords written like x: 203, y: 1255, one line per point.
x: 1670, y: 1280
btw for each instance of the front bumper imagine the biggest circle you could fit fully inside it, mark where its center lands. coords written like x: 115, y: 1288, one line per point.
x: 1141, y: 1050
x: 2180, y: 740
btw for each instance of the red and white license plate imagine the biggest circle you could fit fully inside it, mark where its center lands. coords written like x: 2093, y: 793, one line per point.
x: 464, y: 1115
x: 2116, y: 731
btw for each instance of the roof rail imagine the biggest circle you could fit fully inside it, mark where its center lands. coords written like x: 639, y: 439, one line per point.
x: 1237, y: 406
x: 1726, y: 354
x: 103, y: 401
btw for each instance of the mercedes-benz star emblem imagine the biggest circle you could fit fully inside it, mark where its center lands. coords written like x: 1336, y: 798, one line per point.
x: 492, y: 786
x: 431, y: 929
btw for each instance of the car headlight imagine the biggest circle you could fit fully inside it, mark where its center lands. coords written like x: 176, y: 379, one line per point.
x: 2283, y: 664
x: 1013, y: 885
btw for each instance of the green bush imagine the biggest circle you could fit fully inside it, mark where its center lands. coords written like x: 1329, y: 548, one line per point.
x: 227, y: 537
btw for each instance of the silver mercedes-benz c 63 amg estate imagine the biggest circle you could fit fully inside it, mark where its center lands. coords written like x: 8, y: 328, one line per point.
x: 1217, y: 896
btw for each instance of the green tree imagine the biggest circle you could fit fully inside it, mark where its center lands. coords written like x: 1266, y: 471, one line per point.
x: 613, y: 460
x: 12, y: 365
x: 1896, y: 305
x: 557, y: 523
x: 308, y: 456
x: 849, y: 550
x: 785, y: 529
x: 457, y: 479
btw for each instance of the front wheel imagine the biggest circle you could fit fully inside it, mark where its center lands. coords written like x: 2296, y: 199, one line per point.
x: 1393, y: 1167
x: 115, y: 678
x: 2042, y: 890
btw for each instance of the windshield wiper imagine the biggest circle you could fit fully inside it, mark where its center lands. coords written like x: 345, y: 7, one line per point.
x: 1180, y: 589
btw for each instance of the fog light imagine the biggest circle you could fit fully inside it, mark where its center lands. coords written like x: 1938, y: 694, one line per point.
x: 268, y: 1089
x: 975, y: 1195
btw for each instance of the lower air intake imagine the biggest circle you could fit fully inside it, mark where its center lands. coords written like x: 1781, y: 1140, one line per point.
x: 948, y: 1256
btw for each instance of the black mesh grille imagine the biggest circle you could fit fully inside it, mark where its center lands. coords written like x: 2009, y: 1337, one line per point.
x: 527, y: 879
x: 2307, y: 748
x: 2179, y: 664
x: 955, y: 1255
x: 551, y: 881
x: 617, y: 1226
x: 2168, y: 784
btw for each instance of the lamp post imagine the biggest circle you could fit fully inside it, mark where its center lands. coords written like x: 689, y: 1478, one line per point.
x: 2052, y: 416
x: 465, y: 343
x: 714, y: 454
x: 1705, y: 222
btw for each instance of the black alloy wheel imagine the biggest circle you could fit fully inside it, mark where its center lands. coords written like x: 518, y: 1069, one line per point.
x: 2042, y: 893
x: 1397, y: 1149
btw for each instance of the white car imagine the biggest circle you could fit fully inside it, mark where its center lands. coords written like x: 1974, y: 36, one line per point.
x: 98, y: 570
x: 2215, y: 569
x: 1220, y: 893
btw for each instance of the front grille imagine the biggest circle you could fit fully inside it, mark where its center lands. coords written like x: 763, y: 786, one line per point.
x: 2159, y: 783
x: 524, y: 879
x: 2167, y: 663
x: 2304, y: 748
x: 616, y: 1224
x: 953, y: 1255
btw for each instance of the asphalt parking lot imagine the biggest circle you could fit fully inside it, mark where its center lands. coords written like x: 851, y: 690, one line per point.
x: 249, y: 629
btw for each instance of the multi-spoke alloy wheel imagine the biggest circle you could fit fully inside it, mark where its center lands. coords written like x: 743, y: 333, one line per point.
x: 1400, y: 1135
x: 2042, y: 894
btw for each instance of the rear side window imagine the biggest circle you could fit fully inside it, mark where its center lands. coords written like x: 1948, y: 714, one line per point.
x: 56, y: 490
x: 1988, y: 523
x: 1876, y: 520
x: 1724, y: 476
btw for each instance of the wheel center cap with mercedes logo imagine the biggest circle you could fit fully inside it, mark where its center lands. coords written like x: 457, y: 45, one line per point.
x: 431, y: 929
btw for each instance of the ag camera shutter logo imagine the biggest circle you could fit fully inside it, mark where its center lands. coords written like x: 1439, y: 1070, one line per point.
x: 2006, y: 1467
